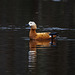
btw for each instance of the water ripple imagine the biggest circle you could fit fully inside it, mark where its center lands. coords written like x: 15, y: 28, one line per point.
x: 64, y: 39
x: 43, y: 29
x: 26, y: 38
x: 56, y: 28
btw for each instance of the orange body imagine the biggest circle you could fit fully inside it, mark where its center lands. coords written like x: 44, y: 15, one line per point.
x: 39, y: 36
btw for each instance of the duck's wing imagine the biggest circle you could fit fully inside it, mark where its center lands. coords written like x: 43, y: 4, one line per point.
x: 44, y: 35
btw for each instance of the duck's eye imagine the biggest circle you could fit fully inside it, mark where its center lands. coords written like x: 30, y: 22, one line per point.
x: 30, y: 23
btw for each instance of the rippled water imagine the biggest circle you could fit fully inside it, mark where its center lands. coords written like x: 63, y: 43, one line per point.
x: 21, y: 56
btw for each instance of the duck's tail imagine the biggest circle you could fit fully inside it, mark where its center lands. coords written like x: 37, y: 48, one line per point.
x: 53, y: 35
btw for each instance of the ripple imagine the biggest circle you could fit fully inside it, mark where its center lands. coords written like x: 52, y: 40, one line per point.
x: 9, y: 28
x: 27, y: 28
x: 64, y: 39
x: 43, y: 29
x: 26, y: 38
x: 56, y: 28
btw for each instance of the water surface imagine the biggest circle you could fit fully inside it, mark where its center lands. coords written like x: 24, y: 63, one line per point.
x: 21, y: 56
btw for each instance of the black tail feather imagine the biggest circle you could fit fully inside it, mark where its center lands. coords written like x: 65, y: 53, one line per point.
x: 54, y: 33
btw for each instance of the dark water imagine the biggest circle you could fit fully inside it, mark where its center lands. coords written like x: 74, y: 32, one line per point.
x: 20, y: 56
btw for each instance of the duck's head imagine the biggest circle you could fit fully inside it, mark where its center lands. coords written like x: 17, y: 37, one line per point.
x: 32, y: 25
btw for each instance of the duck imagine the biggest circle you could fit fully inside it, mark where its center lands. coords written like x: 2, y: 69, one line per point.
x: 33, y: 35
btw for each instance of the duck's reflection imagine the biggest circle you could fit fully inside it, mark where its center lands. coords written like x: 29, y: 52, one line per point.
x: 37, y: 44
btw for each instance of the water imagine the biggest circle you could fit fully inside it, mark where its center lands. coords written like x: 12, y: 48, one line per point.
x: 21, y: 56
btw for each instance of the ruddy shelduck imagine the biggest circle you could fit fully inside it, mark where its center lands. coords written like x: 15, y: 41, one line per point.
x: 39, y: 36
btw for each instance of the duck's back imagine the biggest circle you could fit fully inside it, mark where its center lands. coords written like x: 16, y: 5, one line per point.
x: 43, y: 35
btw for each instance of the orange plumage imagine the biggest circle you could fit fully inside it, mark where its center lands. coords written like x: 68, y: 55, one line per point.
x: 38, y: 36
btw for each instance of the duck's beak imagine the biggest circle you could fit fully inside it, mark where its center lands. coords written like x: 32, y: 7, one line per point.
x: 27, y: 25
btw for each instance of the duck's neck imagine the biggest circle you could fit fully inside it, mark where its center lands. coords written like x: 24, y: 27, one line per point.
x: 32, y: 33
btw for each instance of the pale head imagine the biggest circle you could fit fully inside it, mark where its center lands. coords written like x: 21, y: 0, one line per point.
x: 32, y: 24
